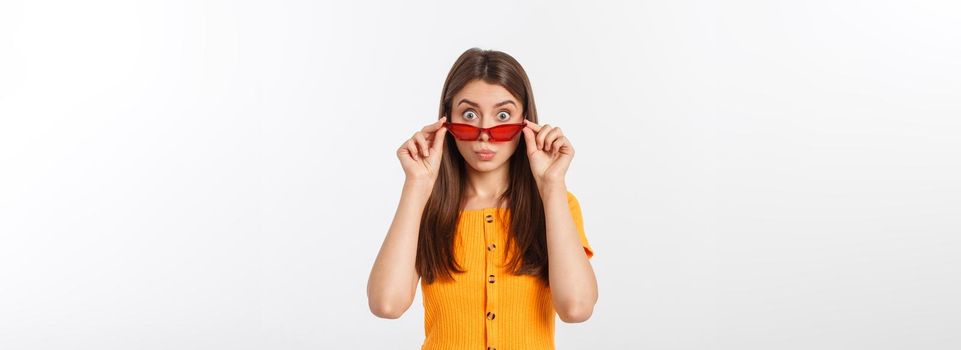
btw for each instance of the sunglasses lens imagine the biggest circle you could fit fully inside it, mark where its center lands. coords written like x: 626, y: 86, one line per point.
x: 505, y: 132
x: 464, y: 132
x: 467, y: 132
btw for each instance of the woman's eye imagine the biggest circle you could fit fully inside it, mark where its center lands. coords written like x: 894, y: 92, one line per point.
x: 469, y: 114
x: 504, y: 115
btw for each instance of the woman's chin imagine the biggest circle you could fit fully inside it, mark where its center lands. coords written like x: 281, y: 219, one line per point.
x: 484, y: 165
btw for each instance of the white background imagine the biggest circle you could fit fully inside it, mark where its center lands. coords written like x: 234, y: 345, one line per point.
x: 220, y: 174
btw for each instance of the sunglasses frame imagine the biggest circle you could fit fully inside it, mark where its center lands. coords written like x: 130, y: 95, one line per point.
x: 480, y: 131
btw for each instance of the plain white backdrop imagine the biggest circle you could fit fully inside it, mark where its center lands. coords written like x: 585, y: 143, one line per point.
x: 220, y: 174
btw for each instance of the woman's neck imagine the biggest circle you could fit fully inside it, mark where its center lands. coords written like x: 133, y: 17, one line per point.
x: 487, y: 185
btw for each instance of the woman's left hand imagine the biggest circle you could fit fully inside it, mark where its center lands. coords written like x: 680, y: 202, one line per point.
x: 549, y: 152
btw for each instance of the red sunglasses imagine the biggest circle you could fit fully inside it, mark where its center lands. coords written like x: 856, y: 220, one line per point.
x: 500, y: 133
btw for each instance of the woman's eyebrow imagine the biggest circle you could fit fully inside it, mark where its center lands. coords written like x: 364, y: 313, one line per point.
x: 472, y: 103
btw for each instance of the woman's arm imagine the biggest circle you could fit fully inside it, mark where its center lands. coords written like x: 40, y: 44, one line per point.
x: 393, y: 279
x: 572, y: 280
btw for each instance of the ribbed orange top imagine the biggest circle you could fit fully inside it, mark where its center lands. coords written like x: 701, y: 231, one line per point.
x: 487, y: 307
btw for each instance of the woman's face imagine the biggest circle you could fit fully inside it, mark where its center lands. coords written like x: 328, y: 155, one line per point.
x: 486, y: 105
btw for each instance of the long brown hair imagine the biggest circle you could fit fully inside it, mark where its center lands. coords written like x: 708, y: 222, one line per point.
x: 527, y: 234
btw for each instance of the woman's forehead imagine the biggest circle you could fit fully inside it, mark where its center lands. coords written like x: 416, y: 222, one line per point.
x: 484, y: 94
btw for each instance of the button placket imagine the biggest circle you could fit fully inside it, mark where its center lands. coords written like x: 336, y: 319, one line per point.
x: 489, y: 237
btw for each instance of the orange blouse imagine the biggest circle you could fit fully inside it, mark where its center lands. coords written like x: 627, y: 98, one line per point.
x: 486, y: 307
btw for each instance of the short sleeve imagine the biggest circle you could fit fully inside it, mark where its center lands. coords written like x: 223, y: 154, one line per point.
x: 575, y: 207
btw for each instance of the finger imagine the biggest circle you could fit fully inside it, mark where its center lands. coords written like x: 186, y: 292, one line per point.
x: 533, y: 125
x: 546, y: 144
x: 542, y: 135
x: 436, y: 125
x: 412, y: 149
x: 429, y: 136
x: 422, y: 144
x: 549, y: 143
x: 529, y: 140
x: 558, y: 143
x: 552, y: 135
x: 438, y: 143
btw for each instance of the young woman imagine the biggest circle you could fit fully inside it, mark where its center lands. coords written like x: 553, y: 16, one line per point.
x: 485, y: 220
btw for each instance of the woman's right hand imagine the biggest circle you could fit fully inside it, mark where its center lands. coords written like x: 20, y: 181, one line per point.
x: 420, y: 155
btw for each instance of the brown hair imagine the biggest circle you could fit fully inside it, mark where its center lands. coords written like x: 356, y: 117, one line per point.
x: 527, y: 234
